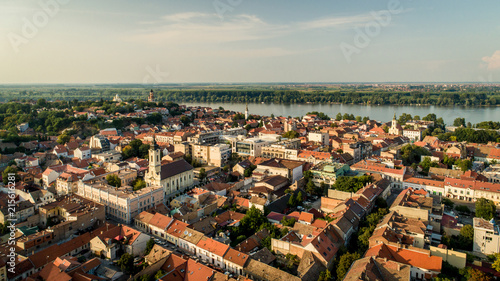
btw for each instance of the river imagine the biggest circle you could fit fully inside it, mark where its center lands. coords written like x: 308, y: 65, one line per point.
x: 377, y: 112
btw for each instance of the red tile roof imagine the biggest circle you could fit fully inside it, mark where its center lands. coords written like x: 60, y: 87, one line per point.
x: 213, y: 246
x: 412, y: 256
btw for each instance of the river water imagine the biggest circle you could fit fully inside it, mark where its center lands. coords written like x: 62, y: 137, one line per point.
x: 377, y: 112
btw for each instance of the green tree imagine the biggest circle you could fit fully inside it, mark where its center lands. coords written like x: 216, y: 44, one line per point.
x: 63, y: 139
x: 411, y: 153
x: 345, y: 263
x: 288, y: 222
x: 139, y: 184
x: 252, y: 221
x: 291, y: 135
x: 466, y: 237
x: 5, y: 175
x: 485, y: 209
x: 149, y: 246
x: 426, y: 164
x: 114, y: 180
x: 338, y: 117
x: 203, y: 174
x: 185, y: 120
x: 291, y: 201
x: 465, y: 165
x: 325, y: 275
x: 159, y: 274
x: 126, y: 263
x: 299, y: 199
x: 496, y: 263
x: 459, y: 122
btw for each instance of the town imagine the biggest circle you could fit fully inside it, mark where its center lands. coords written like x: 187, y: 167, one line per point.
x: 128, y: 189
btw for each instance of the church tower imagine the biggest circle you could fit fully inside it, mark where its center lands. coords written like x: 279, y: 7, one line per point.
x: 394, y: 130
x: 246, y: 112
x: 151, y: 97
x: 154, y: 159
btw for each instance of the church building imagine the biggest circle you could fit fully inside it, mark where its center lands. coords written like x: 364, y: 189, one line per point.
x: 173, y: 176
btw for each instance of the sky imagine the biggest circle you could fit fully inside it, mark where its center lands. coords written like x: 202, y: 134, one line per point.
x: 248, y: 41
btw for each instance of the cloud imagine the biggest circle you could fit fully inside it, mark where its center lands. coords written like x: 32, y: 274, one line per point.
x: 203, y: 28
x: 347, y: 21
x: 184, y: 16
x: 492, y: 62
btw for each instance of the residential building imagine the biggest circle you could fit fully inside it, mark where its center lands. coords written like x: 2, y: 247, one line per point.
x: 83, y: 152
x: 319, y: 138
x: 100, y: 142
x: 486, y: 236
x: 328, y: 172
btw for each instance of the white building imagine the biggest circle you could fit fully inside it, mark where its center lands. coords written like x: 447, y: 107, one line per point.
x: 319, y: 137
x: 83, y: 152
x: 122, y: 204
x: 250, y: 146
x: 413, y: 135
x: 486, y: 236
x: 219, y: 154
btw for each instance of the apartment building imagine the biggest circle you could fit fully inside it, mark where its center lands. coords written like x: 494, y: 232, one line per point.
x: 486, y: 236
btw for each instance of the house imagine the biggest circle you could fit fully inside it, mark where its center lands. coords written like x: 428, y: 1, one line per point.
x: 122, y: 237
x: 212, y: 251
x: 423, y: 264
x: 235, y: 261
x: 83, y: 152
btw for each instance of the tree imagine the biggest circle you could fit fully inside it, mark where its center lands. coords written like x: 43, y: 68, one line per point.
x: 459, y: 122
x: 287, y: 222
x: 149, y: 246
x: 466, y: 237
x: 412, y: 154
x: 185, y: 120
x: 5, y: 175
x: 465, y: 165
x: 64, y: 138
x: 496, y: 264
x: 426, y: 164
x: 307, y: 175
x: 126, y: 262
x: 114, y: 180
x: 291, y: 135
x: 159, y: 274
x: 252, y: 221
x: 345, y: 263
x: 351, y: 184
x: 139, y: 184
x: 485, y: 209
x: 291, y: 201
x: 203, y: 174
x: 325, y: 275
x: 338, y: 117
x: 298, y: 199
x: 477, y: 275
x: 310, y: 187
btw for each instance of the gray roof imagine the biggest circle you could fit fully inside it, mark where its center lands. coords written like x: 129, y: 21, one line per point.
x: 174, y: 168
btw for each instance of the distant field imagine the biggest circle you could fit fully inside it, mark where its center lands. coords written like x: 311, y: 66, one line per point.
x: 468, y: 95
